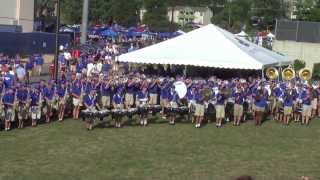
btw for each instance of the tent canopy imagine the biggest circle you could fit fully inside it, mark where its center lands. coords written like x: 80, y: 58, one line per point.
x: 242, y: 34
x: 209, y: 46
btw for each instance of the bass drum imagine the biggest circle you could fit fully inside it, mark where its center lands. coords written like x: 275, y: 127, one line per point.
x: 181, y: 89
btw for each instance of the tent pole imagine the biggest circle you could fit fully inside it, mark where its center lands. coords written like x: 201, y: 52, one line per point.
x: 262, y: 72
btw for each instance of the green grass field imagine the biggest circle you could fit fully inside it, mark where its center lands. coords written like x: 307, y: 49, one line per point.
x: 68, y: 151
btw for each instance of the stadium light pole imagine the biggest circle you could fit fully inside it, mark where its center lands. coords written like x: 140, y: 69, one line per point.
x: 57, y: 40
x: 84, y: 21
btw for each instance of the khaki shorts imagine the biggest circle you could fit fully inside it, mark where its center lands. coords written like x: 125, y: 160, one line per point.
x: 105, y: 101
x: 287, y: 110
x: 237, y: 110
x: 35, y: 112
x: 220, y: 111
x: 9, y: 115
x: 306, y: 110
x: 76, y: 102
x: 259, y: 109
x: 129, y: 99
x: 314, y: 103
x: 73, y: 68
x: 153, y: 99
x: 163, y: 102
x: 199, y: 110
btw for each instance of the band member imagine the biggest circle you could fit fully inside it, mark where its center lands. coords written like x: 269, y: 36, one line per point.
x: 173, y: 101
x: 279, y: 94
x: 130, y: 89
x: 164, y: 97
x: 77, y: 92
x: 260, y: 105
x: 8, y: 102
x: 105, y: 90
x: 48, y: 94
x: 142, y: 98
x: 288, y: 104
x: 62, y: 94
x: 153, y: 91
x: 22, y: 98
x: 238, y: 106
x: 35, y: 106
x: 314, y: 102
x: 199, y: 107
x: 220, y: 107
x: 191, y: 97
x: 117, y: 102
x: 306, y: 106
x: 296, y: 105
x: 89, y: 102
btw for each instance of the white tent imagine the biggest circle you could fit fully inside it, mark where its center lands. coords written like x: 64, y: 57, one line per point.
x: 242, y: 34
x: 270, y: 35
x: 209, y: 46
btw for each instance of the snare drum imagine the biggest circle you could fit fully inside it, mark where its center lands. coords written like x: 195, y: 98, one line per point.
x: 119, y: 112
x: 103, y: 113
x: 87, y: 114
x: 132, y: 111
x: 156, y: 108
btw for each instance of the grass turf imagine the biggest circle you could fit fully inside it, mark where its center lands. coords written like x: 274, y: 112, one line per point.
x: 68, y: 151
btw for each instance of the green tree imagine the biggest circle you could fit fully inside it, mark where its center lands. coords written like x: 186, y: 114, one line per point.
x: 71, y: 11
x: 156, y: 16
x: 125, y: 12
x: 270, y: 9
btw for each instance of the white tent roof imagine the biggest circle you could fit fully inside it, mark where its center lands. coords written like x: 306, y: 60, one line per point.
x: 209, y: 46
x: 270, y: 35
x: 242, y: 34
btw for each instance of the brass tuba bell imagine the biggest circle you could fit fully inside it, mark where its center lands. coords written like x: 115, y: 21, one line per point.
x: 207, y: 93
x: 272, y: 73
x: 305, y: 74
x: 288, y: 74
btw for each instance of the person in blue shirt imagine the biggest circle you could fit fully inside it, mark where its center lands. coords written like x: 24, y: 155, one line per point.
x: 238, y: 96
x: 173, y: 99
x: 117, y: 102
x: 260, y: 105
x: 77, y: 94
x: 35, y: 106
x: 153, y: 91
x: 62, y: 95
x: 199, y: 106
x: 306, y: 106
x: 90, y: 104
x: 288, y: 105
x: 142, y: 101
x: 9, y: 80
x: 220, y: 106
x: 49, y: 95
x: 164, y: 91
x: 8, y: 101
x: 30, y: 66
x: 22, y: 96
x: 130, y: 90
x: 38, y: 64
x: 105, y: 90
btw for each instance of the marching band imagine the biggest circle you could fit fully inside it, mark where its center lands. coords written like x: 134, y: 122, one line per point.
x: 136, y: 94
